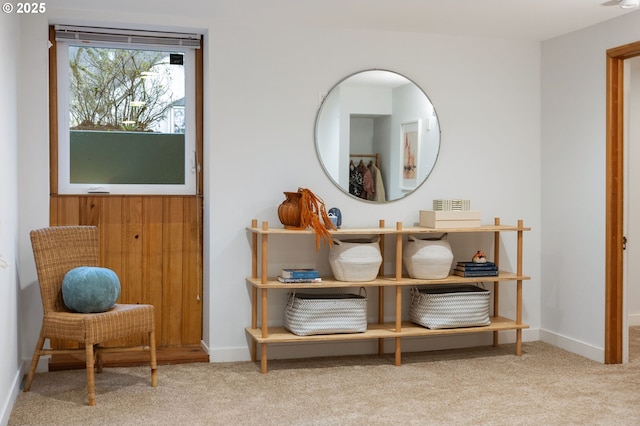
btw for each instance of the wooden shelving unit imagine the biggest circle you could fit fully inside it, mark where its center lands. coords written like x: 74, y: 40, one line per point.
x: 261, y: 334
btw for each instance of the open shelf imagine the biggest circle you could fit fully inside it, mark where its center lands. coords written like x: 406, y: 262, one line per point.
x: 386, y: 230
x: 387, y: 281
x: 261, y: 334
x: 381, y: 331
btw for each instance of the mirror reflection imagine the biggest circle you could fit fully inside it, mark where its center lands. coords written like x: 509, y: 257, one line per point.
x: 377, y: 135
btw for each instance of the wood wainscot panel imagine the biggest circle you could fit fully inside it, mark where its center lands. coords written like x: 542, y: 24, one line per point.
x: 154, y: 244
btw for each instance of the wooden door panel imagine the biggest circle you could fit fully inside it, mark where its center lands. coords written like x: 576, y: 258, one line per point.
x: 154, y: 245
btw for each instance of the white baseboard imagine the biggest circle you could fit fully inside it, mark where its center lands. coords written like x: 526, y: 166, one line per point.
x: 229, y: 355
x: 204, y: 346
x: 572, y: 345
x: 43, y: 364
x: 633, y: 320
x: 12, y: 396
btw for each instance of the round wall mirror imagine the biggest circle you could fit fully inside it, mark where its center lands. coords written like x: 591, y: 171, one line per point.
x: 377, y: 135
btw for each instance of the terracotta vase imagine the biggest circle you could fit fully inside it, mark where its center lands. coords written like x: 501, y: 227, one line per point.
x: 289, y: 211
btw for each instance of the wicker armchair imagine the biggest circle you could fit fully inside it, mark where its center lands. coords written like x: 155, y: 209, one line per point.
x: 57, y: 250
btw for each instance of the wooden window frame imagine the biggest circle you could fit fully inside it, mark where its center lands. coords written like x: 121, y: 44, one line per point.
x: 53, y: 116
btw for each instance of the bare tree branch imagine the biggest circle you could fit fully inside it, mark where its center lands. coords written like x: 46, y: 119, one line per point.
x: 123, y: 89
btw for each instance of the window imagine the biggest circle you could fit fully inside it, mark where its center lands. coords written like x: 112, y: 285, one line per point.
x: 126, y: 111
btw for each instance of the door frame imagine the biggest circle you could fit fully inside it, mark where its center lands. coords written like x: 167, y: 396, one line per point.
x: 167, y: 353
x: 614, y: 303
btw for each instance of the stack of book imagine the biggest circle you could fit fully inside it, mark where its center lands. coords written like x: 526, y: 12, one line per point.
x: 296, y: 275
x: 473, y: 269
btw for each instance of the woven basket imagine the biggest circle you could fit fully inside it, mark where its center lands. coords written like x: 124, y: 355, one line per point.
x: 429, y: 259
x: 307, y: 314
x: 355, y: 260
x: 447, y: 306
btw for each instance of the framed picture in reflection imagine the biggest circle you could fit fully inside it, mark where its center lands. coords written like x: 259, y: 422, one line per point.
x: 409, y: 154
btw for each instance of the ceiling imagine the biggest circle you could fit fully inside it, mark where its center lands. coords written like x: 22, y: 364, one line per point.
x: 535, y: 20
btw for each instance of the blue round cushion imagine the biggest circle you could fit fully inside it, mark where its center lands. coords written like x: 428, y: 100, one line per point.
x: 89, y: 289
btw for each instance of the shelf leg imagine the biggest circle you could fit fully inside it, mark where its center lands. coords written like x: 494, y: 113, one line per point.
x: 254, y: 291
x: 398, y: 251
x: 381, y: 290
x: 380, y: 318
x: 263, y: 358
x: 254, y: 321
x: 496, y: 284
x: 398, y: 309
x: 265, y: 299
x: 254, y: 250
x: 398, y: 348
x: 265, y: 254
x: 519, y: 317
x: 519, y: 290
x: 265, y: 314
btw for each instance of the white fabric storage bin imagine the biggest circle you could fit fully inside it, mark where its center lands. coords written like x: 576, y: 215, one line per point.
x: 308, y: 314
x: 355, y: 260
x: 450, y: 306
x: 427, y: 258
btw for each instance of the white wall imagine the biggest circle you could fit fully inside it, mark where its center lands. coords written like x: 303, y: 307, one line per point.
x: 268, y: 86
x: 261, y: 96
x: 261, y: 91
x: 573, y: 183
x: 9, y: 351
x: 262, y: 82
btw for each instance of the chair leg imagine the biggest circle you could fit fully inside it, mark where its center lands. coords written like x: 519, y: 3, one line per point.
x: 152, y: 354
x: 91, y: 385
x: 34, y: 361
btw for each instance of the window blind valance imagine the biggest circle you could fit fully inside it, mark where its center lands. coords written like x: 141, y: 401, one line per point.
x: 128, y: 37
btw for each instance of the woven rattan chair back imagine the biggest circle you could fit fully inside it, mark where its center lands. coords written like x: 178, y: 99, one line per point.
x: 56, y: 251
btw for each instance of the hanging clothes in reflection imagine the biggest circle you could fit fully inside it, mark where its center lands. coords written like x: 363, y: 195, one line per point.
x: 378, y: 183
x: 365, y: 181
x: 368, y: 188
x: 356, y: 180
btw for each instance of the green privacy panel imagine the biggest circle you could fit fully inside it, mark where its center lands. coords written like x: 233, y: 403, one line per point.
x: 127, y: 157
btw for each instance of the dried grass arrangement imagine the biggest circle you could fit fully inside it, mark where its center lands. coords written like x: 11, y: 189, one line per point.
x: 313, y: 213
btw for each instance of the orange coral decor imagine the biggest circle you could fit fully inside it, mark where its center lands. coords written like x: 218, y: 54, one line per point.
x: 313, y: 213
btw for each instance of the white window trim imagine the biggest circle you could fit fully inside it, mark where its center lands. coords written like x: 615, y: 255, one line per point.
x: 64, y: 184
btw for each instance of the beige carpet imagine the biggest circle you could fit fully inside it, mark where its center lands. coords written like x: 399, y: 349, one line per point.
x: 482, y: 386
